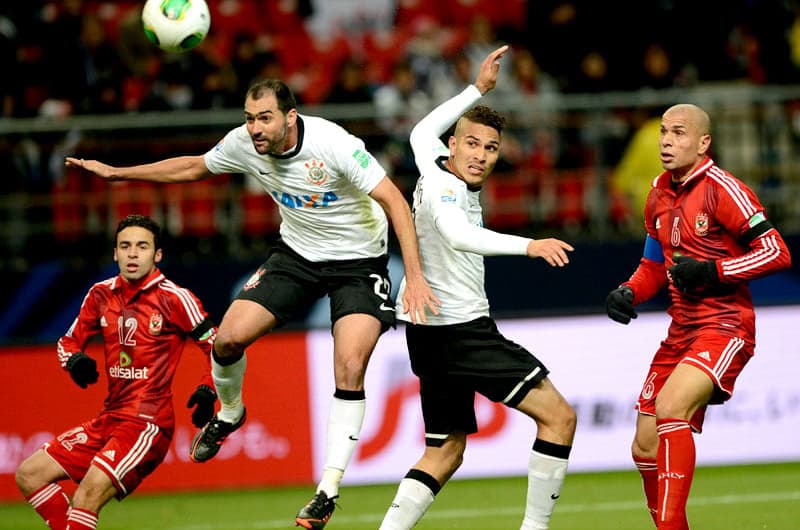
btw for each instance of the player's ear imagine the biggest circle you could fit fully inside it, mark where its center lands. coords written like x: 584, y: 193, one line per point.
x: 291, y: 117
x: 115, y: 254
x: 158, y: 255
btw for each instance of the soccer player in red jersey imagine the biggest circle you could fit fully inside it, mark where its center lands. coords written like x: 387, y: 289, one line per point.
x: 707, y: 236
x: 144, y: 320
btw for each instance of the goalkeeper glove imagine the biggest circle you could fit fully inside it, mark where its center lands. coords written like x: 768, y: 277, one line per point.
x: 619, y: 305
x: 203, y: 400
x: 82, y: 369
x: 688, y: 273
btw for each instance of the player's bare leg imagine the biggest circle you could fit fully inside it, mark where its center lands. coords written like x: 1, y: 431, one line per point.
x: 547, y: 465
x: 243, y: 323
x: 37, y: 478
x: 94, y: 491
x: 354, y: 339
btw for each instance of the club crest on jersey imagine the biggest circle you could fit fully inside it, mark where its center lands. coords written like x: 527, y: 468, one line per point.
x: 254, y: 280
x: 316, y: 173
x: 156, y: 321
x: 701, y: 224
x: 447, y: 195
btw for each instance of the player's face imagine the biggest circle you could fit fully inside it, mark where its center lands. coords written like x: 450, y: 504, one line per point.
x: 136, y: 253
x: 267, y: 125
x: 682, y: 144
x: 474, y: 150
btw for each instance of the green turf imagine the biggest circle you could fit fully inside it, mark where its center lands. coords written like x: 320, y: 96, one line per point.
x: 723, y: 498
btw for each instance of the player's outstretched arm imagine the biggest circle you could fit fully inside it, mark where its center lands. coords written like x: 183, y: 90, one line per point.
x: 487, y: 73
x: 177, y: 169
x: 554, y: 251
x: 418, y: 296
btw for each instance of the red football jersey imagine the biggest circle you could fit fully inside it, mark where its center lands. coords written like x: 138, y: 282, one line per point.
x: 144, y: 330
x: 708, y: 217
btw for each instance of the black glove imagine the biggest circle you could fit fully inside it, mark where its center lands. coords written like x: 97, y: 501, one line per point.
x: 688, y: 274
x: 83, y: 369
x: 619, y: 305
x: 204, y: 398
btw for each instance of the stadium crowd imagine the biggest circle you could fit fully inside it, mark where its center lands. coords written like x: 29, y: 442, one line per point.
x: 396, y: 58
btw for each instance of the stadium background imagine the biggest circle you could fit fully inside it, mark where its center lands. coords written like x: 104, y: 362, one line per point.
x: 580, y: 89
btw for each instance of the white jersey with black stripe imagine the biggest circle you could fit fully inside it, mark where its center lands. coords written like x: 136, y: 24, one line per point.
x: 321, y: 187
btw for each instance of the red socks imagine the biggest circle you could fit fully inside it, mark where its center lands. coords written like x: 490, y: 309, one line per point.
x: 676, y: 462
x: 52, y: 505
x: 649, y: 471
x: 81, y: 520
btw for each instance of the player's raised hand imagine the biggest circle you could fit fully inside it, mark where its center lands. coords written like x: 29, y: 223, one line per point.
x: 419, y: 298
x: 554, y: 251
x: 487, y: 73
x: 98, y: 168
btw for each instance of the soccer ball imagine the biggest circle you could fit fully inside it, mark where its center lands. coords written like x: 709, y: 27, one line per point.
x: 175, y: 25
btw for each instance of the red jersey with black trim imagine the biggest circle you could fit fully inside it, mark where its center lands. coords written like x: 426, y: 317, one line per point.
x: 144, y: 329
x: 707, y: 217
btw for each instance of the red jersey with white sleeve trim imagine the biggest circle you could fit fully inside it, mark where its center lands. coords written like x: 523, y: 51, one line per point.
x: 709, y: 216
x: 144, y: 329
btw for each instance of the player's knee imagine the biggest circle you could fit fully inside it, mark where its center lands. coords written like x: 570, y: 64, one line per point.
x: 228, y: 343
x: 25, y: 477
x: 567, y: 420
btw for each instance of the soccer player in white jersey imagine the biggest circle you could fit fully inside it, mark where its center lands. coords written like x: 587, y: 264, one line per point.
x: 460, y: 351
x: 334, y: 198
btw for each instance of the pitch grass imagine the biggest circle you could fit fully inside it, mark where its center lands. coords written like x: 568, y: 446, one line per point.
x: 723, y: 498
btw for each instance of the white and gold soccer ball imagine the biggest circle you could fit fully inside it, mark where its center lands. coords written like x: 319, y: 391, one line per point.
x: 176, y: 25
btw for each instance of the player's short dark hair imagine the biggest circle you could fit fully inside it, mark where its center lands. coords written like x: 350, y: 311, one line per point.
x: 143, y: 221
x: 283, y: 94
x: 486, y: 116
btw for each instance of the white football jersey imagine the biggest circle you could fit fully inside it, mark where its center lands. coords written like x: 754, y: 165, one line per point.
x: 443, y: 200
x: 321, y: 187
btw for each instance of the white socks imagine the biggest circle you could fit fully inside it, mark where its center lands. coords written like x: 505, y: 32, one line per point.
x: 545, y: 478
x: 344, y: 426
x: 228, y: 382
x: 408, y: 506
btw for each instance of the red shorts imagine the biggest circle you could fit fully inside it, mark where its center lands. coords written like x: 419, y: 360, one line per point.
x: 721, y: 357
x: 124, y: 448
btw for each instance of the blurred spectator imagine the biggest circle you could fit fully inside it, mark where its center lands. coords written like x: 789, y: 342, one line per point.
x: 9, y: 85
x: 350, y: 86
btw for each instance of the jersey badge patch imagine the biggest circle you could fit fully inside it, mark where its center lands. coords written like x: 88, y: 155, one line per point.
x: 110, y: 454
x: 362, y: 158
x: 219, y: 145
x: 756, y: 219
x: 103, y: 322
x: 701, y: 224
x: 447, y: 195
x: 316, y: 173
x: 156, y: 321
x: 254, y: 280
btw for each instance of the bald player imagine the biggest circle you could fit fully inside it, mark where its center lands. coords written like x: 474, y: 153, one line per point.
x: 707, y: 237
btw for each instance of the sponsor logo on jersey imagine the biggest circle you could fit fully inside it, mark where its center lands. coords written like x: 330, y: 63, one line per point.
x: 254, y: 280
x: 156, y: 321
x: 120, y: 372
x: 219, y: 145
x: 447, y: 195
x: 314, y: 200
x: 701, y: 224
x: 103, y: 322
x: 316, y: 173
x: 756, y: 219
x: 704, y: 355
x: 658, y: 223
x: 125, y: 359
x: 110, y: 454
x: 362, y: 158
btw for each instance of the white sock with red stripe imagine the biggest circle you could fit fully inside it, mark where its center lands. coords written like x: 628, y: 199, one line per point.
x: 52, y: 505
x: 80, y: 519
